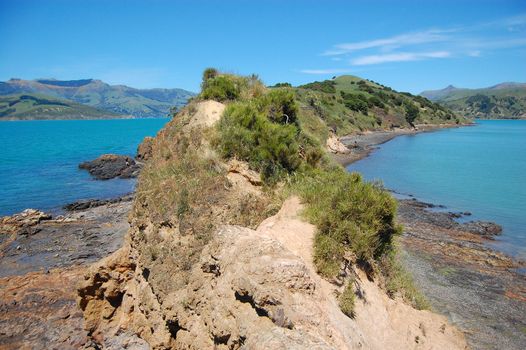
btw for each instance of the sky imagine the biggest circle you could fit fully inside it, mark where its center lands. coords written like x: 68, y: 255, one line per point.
x: 408, y: 45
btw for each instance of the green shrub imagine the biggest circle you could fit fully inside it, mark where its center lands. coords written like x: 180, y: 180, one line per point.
x: 411, y: 112
x: 247, y: 133
x: 327, y: 86
x: 352, y: 216
x: 221, y: 88
x: 280, y: 106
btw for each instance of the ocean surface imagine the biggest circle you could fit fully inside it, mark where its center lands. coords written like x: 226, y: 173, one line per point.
x: 39, y: 160
x: 480, y: 169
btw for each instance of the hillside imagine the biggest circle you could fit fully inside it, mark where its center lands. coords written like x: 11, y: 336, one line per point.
x: 246, y: 235
x: 502, y: 101
x: 348, y: 104
x: 118, y: 99
x: 29, y: 106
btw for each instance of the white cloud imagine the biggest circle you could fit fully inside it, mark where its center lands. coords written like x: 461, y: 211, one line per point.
x: 398, y: 57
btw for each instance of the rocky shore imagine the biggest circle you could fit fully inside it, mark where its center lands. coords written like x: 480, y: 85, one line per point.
x: 477, y: 288
x: 42, y: 260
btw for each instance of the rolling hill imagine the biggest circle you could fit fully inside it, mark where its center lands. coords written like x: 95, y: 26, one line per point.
x: 502, y: 101
x: 30, y: 106
x: 349, y: 103
x: 116, y: 99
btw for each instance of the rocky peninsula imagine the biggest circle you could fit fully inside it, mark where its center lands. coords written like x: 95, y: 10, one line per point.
x: 224, y: 246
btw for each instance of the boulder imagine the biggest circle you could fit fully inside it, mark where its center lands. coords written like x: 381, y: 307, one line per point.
x: 109, y: 166
x: 334, y: 145
x: 484, y: 228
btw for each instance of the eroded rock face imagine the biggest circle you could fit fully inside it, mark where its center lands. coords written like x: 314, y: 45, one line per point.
x: 109, y: 166
x: 144, y: 151
x: 252, y: 289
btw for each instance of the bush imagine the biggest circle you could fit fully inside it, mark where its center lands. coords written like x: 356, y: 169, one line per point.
x: 327, y: 86
x: 411, y: 112
x: 247, y: 133
x: 352, y: 216
x: 280, y: 106
x: 221, y: 88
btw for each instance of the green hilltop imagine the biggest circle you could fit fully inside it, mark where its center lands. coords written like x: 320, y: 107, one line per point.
x: 502, y: 101
x: 30, y: 106
x: 348, y: 104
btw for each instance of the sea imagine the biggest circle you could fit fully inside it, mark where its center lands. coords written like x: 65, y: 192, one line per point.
x: 479, y: 169
x: 39, y: 160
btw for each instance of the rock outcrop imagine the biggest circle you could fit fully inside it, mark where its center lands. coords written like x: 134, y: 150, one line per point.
x: 334, y: 145
x: 109, y: 166
x: 174, y: 286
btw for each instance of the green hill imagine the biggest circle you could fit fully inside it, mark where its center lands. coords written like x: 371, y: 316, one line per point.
x: 118, y: 99
x: 348, y: 103
x: 37, y: 106
x: 502, y: 101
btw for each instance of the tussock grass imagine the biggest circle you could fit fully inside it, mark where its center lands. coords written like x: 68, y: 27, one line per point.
x: 346, y: 300
x: 353, y: 217
x: 400, y: 282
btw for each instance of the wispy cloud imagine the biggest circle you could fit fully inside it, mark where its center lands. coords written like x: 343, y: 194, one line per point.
x: 436, y: 43
x: 390, y: 43
x: 398, y: 57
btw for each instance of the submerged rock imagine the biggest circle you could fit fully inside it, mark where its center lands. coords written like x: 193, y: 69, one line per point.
x: 483, y: 228
x: 109, y: 166
x: 93, y: 203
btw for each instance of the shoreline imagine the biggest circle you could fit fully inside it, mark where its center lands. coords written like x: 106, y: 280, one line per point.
x: 363, y: 143
x: 479, y: 288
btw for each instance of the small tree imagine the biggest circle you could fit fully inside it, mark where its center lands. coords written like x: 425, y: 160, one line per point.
x: 411, y: 113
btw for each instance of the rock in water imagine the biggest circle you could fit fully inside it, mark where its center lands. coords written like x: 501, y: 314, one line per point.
x: 483, y: 228
x: 109, y: 166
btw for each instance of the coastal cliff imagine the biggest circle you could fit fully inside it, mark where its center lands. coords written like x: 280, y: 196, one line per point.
x: 234, y: 244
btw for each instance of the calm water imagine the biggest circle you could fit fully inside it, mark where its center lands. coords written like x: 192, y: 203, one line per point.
x: 481, y: 169
x: 39, y: 160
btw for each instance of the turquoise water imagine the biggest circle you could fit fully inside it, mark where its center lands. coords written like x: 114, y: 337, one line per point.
x: 39, y: 160
x: 480, y: 169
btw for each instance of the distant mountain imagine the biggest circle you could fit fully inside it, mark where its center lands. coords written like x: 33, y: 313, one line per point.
x: 118, y: 99
x: 506, y: 100
x: 36, y: 106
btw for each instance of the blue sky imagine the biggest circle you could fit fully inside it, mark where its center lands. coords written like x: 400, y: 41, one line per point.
x: 408, y: 45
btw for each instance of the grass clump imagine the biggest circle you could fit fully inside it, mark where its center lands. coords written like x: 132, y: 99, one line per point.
x: 400, y: 282
x: 346, y: 300
x: 353, y: 217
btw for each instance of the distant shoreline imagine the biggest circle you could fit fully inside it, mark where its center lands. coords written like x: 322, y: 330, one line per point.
x: 362, y: 144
